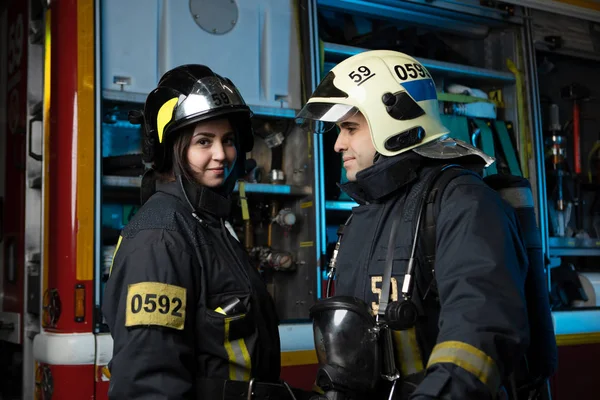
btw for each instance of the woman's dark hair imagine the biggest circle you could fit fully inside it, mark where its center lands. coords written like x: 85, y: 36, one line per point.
x: 176, y: 158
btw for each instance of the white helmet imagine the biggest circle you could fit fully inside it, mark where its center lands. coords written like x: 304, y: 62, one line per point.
x: 393, y: 91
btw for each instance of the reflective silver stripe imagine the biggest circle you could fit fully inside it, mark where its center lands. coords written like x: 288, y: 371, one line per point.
x: 470, y: 359
x: 240, y: 367
x: 408, y: 354
x: 517, y: 197
x: 239, y: 359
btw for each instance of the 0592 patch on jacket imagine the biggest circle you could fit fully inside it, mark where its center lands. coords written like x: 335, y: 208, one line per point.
x: 183, y: 303
x: 469, y: 339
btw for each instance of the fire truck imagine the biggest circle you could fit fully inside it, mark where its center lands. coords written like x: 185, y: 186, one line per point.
x: 70, y: 163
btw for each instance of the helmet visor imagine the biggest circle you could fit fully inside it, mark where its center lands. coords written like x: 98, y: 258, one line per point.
x: 327, y: 112
x: 322, y: 117
x: 209, y: 95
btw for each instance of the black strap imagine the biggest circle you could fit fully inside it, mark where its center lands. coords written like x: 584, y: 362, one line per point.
x: 427, y: 232
x: 421, y: 196
x: 222, y: 389
x: 387, y: 273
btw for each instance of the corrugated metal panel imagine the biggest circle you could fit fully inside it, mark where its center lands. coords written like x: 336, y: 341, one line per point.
x: 574, y: 34
x: 588, y: 10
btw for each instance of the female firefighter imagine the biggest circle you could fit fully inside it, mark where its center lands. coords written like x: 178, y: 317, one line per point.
x: 189, y: 315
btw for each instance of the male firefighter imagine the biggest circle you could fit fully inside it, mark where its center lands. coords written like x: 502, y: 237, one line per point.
x: 470, y: 319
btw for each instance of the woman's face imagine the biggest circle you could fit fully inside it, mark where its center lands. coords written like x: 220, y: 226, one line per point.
x: 212, y: 152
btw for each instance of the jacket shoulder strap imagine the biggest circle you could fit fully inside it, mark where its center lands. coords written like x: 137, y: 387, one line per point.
x: 427, y: 232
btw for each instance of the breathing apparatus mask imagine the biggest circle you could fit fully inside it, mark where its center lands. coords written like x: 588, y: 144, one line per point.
x: 347, y: 345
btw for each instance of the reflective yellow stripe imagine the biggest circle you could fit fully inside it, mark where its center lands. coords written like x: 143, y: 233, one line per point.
x: 114, y: 254
x: 243, y: 200
x: 578, y: 339
x: 408, y: 354
x: 239, y: 358
x: 46, y: 155
x: 298, y: 357
x: 415, y: 349
x: 165, y: 114
x: 85, y: 151
x: 470, y: 359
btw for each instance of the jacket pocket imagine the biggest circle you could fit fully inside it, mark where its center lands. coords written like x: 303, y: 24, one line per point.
x: 400, y: 257
x: 400, y: 253
x: 233, y: 331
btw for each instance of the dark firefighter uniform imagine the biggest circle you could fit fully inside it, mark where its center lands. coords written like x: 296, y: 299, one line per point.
x: 184, y: 304
x: 467, y: 341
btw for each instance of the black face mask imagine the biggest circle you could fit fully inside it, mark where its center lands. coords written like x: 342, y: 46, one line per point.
x: 348, y: 363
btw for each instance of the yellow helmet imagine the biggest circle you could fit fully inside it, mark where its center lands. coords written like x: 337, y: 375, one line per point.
x: 393, y: 91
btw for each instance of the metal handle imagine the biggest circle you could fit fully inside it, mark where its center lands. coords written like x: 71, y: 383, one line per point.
x: 7, y: 326
x: 10, y: 259
x: 250, y: 388
x: 33, y: 155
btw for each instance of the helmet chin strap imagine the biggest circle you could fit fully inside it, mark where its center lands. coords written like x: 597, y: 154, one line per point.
x: 230, y: 178
x: 227, y: 170
x: 179, y: 178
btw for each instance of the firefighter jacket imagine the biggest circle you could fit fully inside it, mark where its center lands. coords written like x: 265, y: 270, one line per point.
x: 473, y: 328
x: 183, y: 302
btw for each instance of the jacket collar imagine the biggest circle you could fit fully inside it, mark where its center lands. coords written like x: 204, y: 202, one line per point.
x: 383, y: 178
x: 201, y: 199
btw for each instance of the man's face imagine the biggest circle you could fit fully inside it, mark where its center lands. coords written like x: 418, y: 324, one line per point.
x: 355, y: 145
